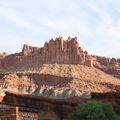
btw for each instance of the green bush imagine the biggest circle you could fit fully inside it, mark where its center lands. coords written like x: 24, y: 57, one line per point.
x: 44, y: 118
x: 94, y: 111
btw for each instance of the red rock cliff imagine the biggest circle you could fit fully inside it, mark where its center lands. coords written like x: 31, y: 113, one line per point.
x: 108, y: 65
x: 55, y: 51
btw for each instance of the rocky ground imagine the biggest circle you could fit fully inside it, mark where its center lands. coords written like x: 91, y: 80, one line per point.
x: 58, y: 80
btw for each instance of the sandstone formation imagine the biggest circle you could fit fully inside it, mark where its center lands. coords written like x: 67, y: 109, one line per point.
x: 59, y: 69
x: 55, y: 51
x: 59, y: 51
x: 3, y: 55
x: 108, y: 65
x: 59, y: 81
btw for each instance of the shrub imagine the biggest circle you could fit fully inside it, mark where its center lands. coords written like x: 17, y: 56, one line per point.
x: 94, y: 111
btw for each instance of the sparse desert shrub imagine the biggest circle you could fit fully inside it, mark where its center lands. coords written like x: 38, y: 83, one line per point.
x: 94, y: 111
x: 44, y: 118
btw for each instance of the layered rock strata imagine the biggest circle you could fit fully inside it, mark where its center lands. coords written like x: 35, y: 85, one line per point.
x: 108, y: 65
x: 55, y: 51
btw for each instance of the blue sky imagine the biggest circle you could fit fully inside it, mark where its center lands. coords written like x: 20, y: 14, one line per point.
x: 96, y: 23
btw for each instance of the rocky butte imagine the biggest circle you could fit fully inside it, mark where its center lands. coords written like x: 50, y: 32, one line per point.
x: 60, y: 51
x: 55, y: 51
x: 59, y: 69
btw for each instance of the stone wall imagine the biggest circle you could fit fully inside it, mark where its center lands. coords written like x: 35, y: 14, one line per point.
x: 28, y: 116
x: 9, y: 113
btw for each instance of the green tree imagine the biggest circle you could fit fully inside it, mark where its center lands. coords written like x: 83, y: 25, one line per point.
x: 94, y: 111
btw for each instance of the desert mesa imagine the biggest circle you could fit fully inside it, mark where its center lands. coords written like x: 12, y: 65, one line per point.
x: 59, y: 69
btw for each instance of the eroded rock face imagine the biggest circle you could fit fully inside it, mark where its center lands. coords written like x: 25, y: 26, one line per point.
x: 108, y: 65
x: 38, y: 85
x: 58, y: 93
x: 28, y: 49
x: 55, y: 51
x: 59, y: 55
x: 57, y: 83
